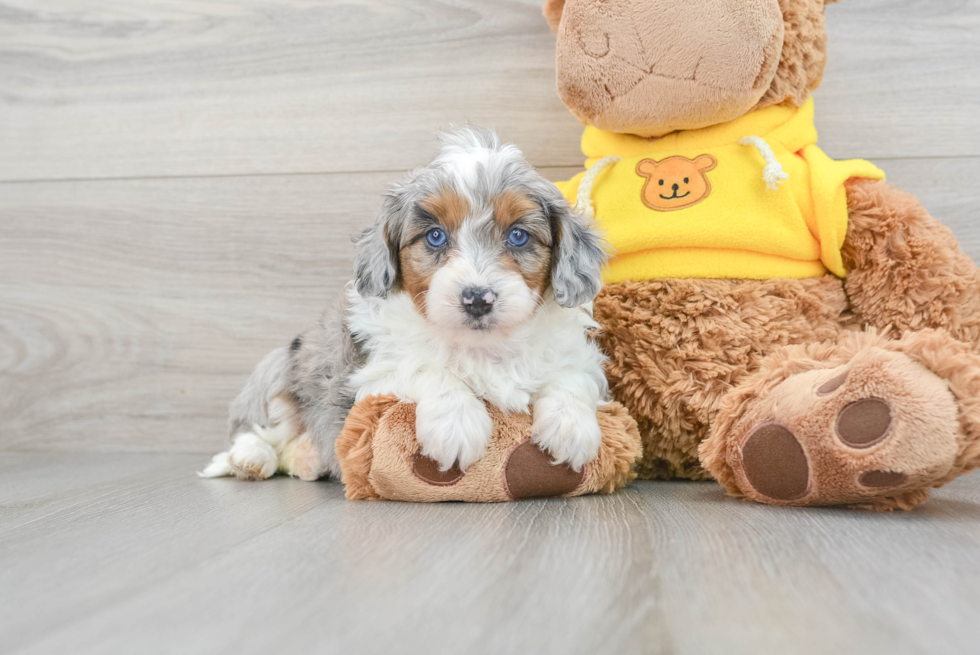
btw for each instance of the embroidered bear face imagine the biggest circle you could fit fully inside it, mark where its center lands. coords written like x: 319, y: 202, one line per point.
x: 675, y: 182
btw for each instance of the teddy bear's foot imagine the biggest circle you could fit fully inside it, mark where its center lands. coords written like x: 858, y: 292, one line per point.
x: 380, y: 458
x: 867, y: 421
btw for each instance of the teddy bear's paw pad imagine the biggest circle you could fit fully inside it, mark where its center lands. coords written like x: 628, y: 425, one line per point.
x: 529, y: 473
x: 864, y: 423
x: 882, y: 479
x: 427, y: 470
x: 833, y: 384
x: 775, y: 463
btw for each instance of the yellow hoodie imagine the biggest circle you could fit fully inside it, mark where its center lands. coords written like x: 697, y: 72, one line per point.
x: 695, y: 204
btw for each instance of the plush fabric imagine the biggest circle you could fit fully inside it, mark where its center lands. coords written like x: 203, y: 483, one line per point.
x: 692, y: 64
x: 726, y: 222
x: 907, y: 271
x: 379, y: 459
x: 614, y: 91
x: 859, y: 389
x: 804, y: 55
x: 692, y: 357
x: 925, y: 385
x: 676, y: 347
x: 552, y: 12
x: 621, y: 81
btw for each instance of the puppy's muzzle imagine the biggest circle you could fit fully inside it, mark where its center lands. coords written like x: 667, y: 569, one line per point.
x: 478, y: 302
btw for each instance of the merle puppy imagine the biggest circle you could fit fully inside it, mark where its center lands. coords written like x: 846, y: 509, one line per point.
x: 475, y: 284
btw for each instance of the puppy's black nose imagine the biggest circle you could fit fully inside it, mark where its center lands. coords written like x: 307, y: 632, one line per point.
x: 478, y: 302
x: 677, y: 187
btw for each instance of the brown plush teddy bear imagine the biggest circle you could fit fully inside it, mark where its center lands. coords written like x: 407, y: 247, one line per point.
x: 380, y: 459
x: 785, y: 323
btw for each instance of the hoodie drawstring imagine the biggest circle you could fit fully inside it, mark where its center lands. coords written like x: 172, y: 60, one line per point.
x: 583, y: 200
x: 773, y: 173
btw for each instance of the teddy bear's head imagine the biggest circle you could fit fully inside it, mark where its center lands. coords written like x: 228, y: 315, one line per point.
x: 650, y: 67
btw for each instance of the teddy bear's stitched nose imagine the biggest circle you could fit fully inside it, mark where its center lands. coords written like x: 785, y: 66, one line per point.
x: 677, y: 187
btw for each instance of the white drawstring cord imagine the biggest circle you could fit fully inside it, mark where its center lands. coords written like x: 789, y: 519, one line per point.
x: 583, y: 200
x: 773, y: 173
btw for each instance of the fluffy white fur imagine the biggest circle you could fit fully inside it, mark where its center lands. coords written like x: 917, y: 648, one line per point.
x: 547, y: 363
x: 249, y: 456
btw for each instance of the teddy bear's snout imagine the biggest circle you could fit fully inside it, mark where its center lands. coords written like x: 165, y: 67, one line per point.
x: 707, y: 62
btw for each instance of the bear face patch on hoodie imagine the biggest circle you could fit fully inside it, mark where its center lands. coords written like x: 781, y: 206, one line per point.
x: 751, y: 199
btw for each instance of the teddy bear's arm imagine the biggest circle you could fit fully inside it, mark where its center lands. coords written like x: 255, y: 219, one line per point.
x: 906, y: 271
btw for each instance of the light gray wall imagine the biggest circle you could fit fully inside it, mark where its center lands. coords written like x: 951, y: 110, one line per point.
x: 177, y: 188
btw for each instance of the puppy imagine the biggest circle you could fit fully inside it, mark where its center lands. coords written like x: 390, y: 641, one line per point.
x: 475, y: 284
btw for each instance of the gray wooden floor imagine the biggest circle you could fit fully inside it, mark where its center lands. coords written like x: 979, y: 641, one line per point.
x: 130, y: 553
x: 178, y: 180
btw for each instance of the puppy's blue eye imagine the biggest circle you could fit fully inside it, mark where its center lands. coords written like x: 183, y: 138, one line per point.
x: 518, y: 237
x: 436, y: 237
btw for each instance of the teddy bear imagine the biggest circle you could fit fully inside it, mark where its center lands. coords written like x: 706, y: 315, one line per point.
x: 786, y: 324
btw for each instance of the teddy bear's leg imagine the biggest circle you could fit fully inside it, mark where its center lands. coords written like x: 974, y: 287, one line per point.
x: 906, y: 270
x: 677, y: 346
x: 864, y: 421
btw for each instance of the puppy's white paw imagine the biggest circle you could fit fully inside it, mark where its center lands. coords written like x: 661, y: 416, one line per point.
x: 251, y: 458
x: 568, y: 429
x: 453, y: 428
x: 218, y: 467
x: 299, y: 459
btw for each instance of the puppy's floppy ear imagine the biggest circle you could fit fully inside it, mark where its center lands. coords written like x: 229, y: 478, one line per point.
x: 552, y: 12
x: 577, y: 254
x: 376, y: 251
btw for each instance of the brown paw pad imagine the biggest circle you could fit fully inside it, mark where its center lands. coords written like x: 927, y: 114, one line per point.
x: 879, y: 479
x: 775, y: 463
x: 833, y: 384
x: 427, y: 470
x: 864, y: 422
x: 529, y: 473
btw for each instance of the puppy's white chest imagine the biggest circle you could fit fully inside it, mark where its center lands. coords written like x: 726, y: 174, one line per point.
x: 407, y: 358
x: 502, y: 383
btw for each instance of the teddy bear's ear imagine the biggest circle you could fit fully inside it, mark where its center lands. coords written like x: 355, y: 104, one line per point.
x: 552, y: 13
x: 646, y: 167
x: 804, y: 53
x: 705, y: 163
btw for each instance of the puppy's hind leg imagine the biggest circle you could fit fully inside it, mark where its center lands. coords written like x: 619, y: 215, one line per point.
x: 296, y: 454
x: 267, y: 432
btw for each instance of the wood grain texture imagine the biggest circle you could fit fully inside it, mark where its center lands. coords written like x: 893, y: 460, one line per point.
x: 154, y: 560
x: 112, y: 88
x: 178, y: 184
x: 134, y: 310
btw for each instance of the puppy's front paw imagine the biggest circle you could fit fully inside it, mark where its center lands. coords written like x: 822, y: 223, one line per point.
x: 568, y: 429
x: 453, y: 428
